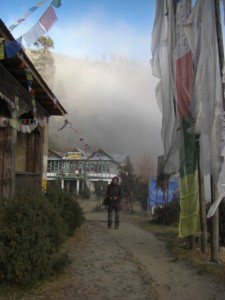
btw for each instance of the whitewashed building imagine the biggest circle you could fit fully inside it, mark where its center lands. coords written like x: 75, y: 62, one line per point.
x: 78, y: 168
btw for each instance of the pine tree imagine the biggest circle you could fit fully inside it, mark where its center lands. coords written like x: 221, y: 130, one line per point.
x: 43, y: 59
x: 128, y: 182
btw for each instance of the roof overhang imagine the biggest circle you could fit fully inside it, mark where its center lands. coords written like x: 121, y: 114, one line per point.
x: 43, y: 94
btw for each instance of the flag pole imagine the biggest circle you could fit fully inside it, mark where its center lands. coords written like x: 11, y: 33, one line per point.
x: 202, y: 204
x: 215, y: 218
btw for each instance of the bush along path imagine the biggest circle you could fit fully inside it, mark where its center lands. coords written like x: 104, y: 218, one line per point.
x: 33, y: 229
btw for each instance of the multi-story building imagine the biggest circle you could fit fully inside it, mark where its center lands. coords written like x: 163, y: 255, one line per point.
x: 78, y: 168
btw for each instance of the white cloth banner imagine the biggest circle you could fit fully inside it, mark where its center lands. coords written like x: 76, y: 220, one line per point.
x: 207, y: 101
x: 33, y: 34
x: 163, y: 66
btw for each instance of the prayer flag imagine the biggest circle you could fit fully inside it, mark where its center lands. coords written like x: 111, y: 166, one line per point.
x: 2, y: 55
x: 12, y: 47
x: 33, y: 8
x: 206, y: 106
x: 189, y: 222
x: 163, y: 67
x: 56, y: 3
x: 48, y: 18
x: 66, y: 122
x: 33, y: 34
x: 28, y: 74
x: 20, y: 21
x: 75, y: 130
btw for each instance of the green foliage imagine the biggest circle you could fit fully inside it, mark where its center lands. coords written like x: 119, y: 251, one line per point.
x: 68, y: 208
x: 85, y: 193
x: 33, y: 228
x: 100, y: 188
x: 43, y: 59
x: 31, y: 232
x: 141, y: 192
x: 169, y: 214
x: 127, y: 179
x: 44, y: 41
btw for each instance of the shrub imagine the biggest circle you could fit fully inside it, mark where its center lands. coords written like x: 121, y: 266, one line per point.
x: 85, y: 193
x: 31, y: 233
x: 68, y: 208
x: 169, y: 214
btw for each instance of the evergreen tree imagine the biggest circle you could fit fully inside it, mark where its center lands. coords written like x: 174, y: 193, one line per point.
x: 46, y: 42
x: 128, y: 182
x: 43, y: 59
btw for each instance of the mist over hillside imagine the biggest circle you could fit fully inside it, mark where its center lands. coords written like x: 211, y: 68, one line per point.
x: 111, y: 105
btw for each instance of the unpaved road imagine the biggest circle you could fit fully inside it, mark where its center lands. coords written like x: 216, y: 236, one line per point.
x: 127, y: 264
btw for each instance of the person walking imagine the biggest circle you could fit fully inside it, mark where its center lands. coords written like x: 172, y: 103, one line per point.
x: 113, y: 194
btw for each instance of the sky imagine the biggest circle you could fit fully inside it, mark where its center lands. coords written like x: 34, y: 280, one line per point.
x: 111, y: 101
x: 91, y: 28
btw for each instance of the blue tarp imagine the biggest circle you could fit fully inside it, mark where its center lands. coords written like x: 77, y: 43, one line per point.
x: 158, y: 198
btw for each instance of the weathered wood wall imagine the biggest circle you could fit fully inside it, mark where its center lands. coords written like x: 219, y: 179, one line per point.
x: 21, y: 155
x: 7, y: 162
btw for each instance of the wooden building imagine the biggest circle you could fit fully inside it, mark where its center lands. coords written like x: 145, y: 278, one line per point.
x: 26, y: 103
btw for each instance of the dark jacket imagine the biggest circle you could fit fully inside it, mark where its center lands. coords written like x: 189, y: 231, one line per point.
x: 113, y: 192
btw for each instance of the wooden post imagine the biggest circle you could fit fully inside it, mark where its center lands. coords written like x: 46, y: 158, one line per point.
x: 131, y: 202
x: 215, y: 227
x: 9, y: 136
x: 219, y: 36
x: 203, y: 220
x: 215, y: 218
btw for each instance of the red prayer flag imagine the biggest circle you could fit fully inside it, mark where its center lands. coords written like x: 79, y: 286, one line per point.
x: 48, y: 18
x: 184, y: 72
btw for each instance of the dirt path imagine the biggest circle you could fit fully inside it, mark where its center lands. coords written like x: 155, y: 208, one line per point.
x: 128, y: 264
x: 168, y: 278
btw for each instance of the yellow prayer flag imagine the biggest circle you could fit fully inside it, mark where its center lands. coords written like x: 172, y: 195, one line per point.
x: 2, y: 48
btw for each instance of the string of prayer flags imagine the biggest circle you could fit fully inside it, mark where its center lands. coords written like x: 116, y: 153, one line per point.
x: 85, y: 145
x: 39, y: 29
x: 66, y: 122
x: 29, y: 77
x: 43, y: 25
x: 27, y: 14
